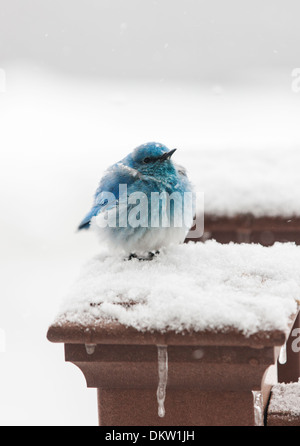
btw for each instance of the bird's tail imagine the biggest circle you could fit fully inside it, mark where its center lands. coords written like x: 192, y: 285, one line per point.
x: 85, y: 223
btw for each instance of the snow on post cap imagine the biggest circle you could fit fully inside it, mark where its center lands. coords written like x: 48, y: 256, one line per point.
x: 191, y: 287
x: 285, y: 400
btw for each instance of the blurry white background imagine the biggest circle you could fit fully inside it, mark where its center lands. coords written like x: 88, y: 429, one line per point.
x: 81, y: 84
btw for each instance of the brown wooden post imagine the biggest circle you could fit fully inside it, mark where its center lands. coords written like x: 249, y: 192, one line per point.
x: 211, y: 375
x: 247, y: 228
x: 288, y: 364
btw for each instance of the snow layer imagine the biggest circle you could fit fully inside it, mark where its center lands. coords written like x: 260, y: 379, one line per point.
x: 285, y: 399
x: 191, y: 287
x: 264, y: 182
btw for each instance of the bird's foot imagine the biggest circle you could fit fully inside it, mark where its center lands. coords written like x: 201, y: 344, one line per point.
x: 149, y: 256
x: 132, y: 256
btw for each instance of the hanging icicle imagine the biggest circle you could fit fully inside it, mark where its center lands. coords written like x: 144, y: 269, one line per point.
x: 162, y: 378
x: 258, y: 408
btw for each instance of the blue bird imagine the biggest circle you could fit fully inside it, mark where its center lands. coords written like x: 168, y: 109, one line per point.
x: 143, y: 202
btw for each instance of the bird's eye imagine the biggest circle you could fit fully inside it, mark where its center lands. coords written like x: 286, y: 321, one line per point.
x: 147, y: 160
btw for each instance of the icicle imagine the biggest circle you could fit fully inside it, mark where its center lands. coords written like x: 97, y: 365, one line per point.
x: 90, y: 348
x: 282, y: 355
x: 162, y: 378
x: 258, y: 408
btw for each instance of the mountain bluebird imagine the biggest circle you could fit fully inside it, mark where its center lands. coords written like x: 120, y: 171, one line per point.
x: 143, y: 203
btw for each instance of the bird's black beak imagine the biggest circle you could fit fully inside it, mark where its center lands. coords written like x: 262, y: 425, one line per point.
x: 167, y: 155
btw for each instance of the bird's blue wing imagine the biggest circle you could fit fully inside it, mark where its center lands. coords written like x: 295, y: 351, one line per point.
x: 104, y: 200
x: 85, y: 223
x: 107, y: 193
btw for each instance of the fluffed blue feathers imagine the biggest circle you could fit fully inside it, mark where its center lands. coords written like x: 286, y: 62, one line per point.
x: 147, y: 170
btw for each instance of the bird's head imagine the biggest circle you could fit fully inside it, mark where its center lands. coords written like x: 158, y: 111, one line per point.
x: 152, y: 158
